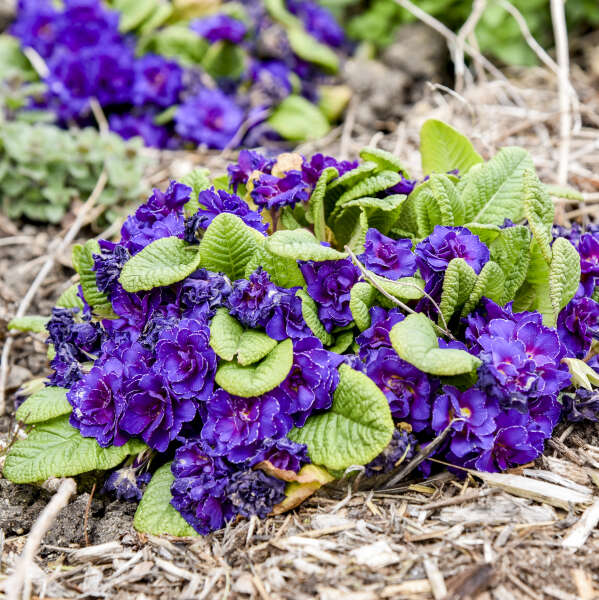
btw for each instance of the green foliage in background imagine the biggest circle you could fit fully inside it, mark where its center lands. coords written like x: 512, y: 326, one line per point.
x: 498, y: 34
x: 44, y: 168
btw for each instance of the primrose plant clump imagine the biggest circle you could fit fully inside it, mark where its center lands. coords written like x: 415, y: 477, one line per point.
x: 252, y: 337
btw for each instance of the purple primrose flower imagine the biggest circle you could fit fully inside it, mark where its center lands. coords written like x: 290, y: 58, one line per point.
x: 387, y: 257
x: 214, y: 202
x: 312, y: 379
x: 154, y: 413
x: 252, y: 300
x: 236, y: 426
x: 158, y: 81
x: 408, y: 390
x: 199, y: 488
x: 471, y: 415
x: 434, y: 253
x: 329, y: 283
x: 185, y: 359
x: 248, y: 161
x: 254, y: 492
x: 275, y: 192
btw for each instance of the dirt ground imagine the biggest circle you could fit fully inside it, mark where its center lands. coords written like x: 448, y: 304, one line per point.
x: 443, y: 537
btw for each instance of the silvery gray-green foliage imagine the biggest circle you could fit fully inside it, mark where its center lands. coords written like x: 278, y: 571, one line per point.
x: 43, y: 169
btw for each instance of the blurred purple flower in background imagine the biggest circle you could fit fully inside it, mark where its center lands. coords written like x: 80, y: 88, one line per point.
x: 209, y: 118
x: 219, y: 27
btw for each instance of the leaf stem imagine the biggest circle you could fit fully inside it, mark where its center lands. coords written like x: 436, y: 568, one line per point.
x: 393, y: 299
x: 274, y: 216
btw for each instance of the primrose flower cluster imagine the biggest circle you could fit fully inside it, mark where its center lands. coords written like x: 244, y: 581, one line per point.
x: 193, y: 82
x: 262, y: 333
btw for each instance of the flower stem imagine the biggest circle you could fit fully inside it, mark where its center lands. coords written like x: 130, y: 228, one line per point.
x: 393, y: 299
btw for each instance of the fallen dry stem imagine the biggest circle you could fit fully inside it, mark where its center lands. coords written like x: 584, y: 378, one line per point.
x: 560, y: 31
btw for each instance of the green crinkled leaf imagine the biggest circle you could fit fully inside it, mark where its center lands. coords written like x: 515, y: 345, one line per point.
x: 337, y: 187
x: 175, y: 41
x: 415, y: 340
x: 582, y: 375
x: 458, y: 284
x: 229, y: 340
x: 162, y: 262
x: 511, y: 251
x: 357, y: 238
x: 55, y: 449
x: 352, y: 219
x: 225, y: 333
x: 490, y: 283
x: 369, y: 186
x: 386, y: 161
x: 310, y: 314
x: 404, y: 288
x: 407, y: 222
x: 316, y: 202
x: 33, y: 323
x: 278, y: 11
x: 539, y: 211
x: 564, y: 275
x: 486, y: 232
x: 346, y: 225
x: 493, y: 192
x: 159, y: 17
x: 351, y: 178
x: 297, y: 119
x: 254, y: 346
x: 382, y: 213
x: 70, y: 298
x: 534, y: 293
x: 386, y: 204
x: 356, y: 429
x: 362, y: 297
x: 342, y: 342
x: 564, y: 192
x: 48, y: 403
x: 198, y: 180
x: 83, y: 262
x: 288, y: 219
x: 308, y: 48
x: 284, y: 272
x: 333, y: 100
x: 254, y: 380
x: 155, y: 514
x: 133, y: 13
x: 436, y: 202
x: 300, y: 244
x: 228, y: 246
x: 444, y: 149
